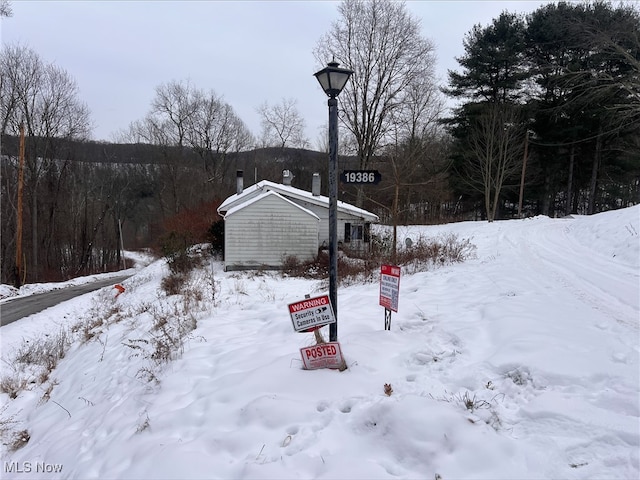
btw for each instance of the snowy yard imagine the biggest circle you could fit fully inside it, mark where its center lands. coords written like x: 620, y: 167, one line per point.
x: 522, y: 362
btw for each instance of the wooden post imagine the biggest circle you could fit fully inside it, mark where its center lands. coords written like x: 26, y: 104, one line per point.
x: 524, y: 167
x: 124, y: 262
x: 18, y: 281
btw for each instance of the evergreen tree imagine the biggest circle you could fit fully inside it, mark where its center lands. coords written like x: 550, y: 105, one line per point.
x: 574, y: 71
x: 491, y: 86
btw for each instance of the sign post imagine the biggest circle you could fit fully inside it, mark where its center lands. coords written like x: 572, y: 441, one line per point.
x: 312, y: 313
x: 309, y: 315
x: 389, y: 291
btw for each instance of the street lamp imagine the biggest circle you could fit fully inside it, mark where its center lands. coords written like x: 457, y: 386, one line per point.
x: 332, y: 80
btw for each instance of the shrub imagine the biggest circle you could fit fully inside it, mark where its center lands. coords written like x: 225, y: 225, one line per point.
x: 12, y: 385
x: 173, y: 283
x: 34, y: 361
x: 441, y: 250
x: 358, y: 267
x: 45, y: 350
x: 188, y: 227
x: 174, y: 248
x: 215, y: 237
x: 18, y: 440
x: 181, y: 261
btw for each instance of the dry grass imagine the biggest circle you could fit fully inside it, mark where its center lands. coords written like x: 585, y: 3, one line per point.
x: 13, y: 384
x: 36, y: 358
x: 17, y: 440
x: 45, y: 351
x: 12, y: 438
x: 171, y: 327
x: 34, y: 361
x: 160, y: 339
x: 423, y: 255
x: 173, y: 283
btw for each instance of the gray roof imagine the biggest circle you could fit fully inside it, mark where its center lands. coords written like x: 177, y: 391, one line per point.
x: 293, y: 193
x: 265, y: 194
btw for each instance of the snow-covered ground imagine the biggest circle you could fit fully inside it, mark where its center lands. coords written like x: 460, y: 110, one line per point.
x: 522, y: 362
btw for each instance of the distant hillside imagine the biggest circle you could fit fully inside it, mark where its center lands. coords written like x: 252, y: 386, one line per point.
x: 258, y: 164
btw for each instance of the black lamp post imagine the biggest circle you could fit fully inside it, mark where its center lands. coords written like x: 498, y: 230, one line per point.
x: 333, y: 79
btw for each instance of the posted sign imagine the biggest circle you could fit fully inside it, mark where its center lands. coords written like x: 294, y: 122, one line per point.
x: 389, y: 287
x: 311, y: 313
x: 324, y: 355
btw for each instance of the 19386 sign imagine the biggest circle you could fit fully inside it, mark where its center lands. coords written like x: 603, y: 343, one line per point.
x: 368, y: 177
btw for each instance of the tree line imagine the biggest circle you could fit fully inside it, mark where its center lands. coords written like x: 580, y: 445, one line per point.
x: 547, y: 121
x: 551, y: 99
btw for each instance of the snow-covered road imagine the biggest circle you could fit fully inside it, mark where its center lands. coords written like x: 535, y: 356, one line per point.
x: 595, y: 277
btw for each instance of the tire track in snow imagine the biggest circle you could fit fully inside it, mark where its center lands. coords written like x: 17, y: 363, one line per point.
x: 574, y: 414
x: 601, y: 283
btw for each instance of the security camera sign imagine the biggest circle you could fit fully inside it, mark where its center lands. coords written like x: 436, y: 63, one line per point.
x: 311, y: 313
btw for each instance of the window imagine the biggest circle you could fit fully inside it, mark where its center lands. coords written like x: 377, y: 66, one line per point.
x: 353, y: 232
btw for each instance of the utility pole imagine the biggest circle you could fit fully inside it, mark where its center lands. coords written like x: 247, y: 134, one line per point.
x: 524, y: 167
x: 18, y: 281
x: 124, y: 262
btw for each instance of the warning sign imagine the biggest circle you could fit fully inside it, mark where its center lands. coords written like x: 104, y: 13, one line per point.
x: 389, y: 286
x: 311, y: 313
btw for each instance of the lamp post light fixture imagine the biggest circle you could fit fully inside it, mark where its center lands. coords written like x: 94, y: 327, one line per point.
x: 333, y: 79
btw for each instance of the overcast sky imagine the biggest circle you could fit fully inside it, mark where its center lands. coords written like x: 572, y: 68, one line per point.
x: 248, y: 52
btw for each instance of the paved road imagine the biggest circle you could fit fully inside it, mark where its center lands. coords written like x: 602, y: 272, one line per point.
x: 19, y: 307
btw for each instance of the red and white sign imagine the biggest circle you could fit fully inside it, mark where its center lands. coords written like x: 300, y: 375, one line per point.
x: 389, y: 286
x: 312, y: 313
x: 324, y: 355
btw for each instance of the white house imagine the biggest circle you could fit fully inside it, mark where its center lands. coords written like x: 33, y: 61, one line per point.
x: 267, y: 222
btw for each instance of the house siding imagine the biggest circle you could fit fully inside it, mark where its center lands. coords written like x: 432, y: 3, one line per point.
x: 264, y: 232
x: 323, y: 214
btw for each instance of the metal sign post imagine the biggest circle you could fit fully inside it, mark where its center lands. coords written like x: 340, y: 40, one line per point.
x: 387, y: 319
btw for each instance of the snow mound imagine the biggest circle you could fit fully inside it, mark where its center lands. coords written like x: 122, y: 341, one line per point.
x: 520, y: 363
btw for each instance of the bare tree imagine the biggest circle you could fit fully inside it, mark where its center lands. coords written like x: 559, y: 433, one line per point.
x: 43, y: 96
x: 282, y: 125
x: 216, y: 130
x: 411, y: 159
x: 417, y: 118
x: 381, y: 42
x: 5, y: 8
x: 61, y: 114
x: 496, y: 142
x: 46, y: 98
x: 176, y: 103
x: 22, y: 72
x: 185, y: 120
